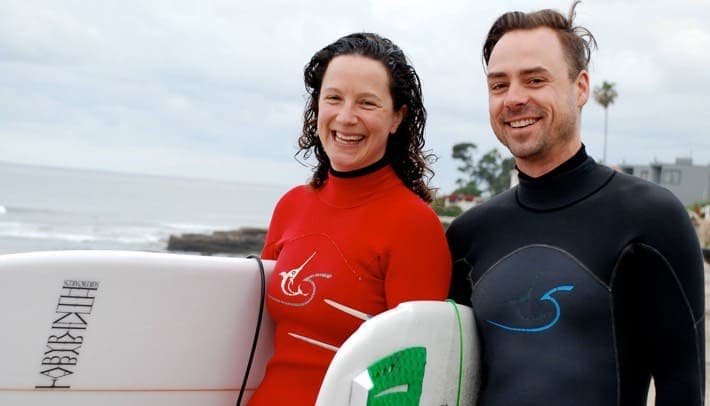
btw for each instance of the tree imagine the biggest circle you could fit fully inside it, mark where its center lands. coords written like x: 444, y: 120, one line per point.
x: 605, y: 95
x: 491, y: 174
x: 464, y: 152
x: 499, y: 178
x: 494, y: 171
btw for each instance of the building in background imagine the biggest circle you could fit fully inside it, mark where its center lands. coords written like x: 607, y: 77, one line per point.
x: 690, y: 183
x: 462, y: 200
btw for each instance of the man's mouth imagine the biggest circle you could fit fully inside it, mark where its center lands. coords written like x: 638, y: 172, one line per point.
x: 523, y: 123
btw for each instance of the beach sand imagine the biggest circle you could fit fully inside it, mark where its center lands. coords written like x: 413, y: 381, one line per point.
x: 651, y: 395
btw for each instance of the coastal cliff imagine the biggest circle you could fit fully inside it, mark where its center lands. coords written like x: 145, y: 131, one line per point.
x: 243, y: 241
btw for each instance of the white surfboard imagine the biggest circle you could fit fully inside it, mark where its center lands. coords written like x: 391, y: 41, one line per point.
x: 117, y: 328
x: 419, y: 353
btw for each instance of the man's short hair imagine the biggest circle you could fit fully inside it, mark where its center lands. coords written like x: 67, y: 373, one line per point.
x: 577, y: 42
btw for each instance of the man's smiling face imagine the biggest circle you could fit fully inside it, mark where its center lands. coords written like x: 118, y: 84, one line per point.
x: 534, y: 106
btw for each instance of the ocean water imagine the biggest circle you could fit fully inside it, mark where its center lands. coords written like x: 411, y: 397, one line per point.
x: 44, y: 208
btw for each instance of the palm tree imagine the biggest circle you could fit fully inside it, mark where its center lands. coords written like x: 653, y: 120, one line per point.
x: 605, y: 95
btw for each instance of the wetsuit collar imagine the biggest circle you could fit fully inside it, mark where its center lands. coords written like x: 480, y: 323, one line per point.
x: 352, y: 189
x: 569, y: 183
x: 362, y: 171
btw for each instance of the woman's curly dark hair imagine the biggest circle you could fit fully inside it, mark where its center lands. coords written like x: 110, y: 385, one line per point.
x: 405, y: 148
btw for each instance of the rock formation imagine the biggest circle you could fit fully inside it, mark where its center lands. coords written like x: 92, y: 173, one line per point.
x: 243, y: 241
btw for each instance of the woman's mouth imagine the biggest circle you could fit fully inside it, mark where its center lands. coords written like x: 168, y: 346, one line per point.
x: 347, y: 138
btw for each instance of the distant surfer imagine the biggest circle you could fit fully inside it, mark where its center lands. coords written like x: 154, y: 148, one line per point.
x: 365, y: 212
x: 624, y: 249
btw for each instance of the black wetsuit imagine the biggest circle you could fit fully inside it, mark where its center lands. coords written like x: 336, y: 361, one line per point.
x: 585, y: 282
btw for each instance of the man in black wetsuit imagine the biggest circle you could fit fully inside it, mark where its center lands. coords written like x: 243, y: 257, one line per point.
x: 586, y: 283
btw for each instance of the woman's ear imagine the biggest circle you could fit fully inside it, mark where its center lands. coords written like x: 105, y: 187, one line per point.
x: 398, y: 117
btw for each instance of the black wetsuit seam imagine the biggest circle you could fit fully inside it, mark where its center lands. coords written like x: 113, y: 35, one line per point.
x: 670, y: 268
x: 616, y: 347
x: 612, y: 280
x: 558, y: 249
x: 675, y: 278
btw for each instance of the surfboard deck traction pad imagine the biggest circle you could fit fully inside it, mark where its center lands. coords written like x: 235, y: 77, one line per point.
x: 405, y: 369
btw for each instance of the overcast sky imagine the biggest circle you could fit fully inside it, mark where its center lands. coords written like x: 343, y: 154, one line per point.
x: 210, y: 88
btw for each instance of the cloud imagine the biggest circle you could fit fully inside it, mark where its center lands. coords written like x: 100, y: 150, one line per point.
x: 213, y: 87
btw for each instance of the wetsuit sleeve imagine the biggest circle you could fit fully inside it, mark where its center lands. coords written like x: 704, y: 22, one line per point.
x: 270, y: 251
x: 668, y: 276
x: 419, y: 266
x: 679, y: 367
x: 279, y: 219
x: 460, y: 288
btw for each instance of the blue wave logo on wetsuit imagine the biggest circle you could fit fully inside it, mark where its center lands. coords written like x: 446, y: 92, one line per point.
x: 547, y: 296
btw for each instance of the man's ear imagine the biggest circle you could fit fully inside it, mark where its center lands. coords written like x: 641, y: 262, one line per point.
x: 582, y: 86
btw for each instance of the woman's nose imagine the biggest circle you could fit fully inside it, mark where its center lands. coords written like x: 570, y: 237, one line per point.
x: 346, y: 114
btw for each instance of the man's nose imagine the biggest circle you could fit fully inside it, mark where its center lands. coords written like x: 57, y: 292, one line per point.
x: 516, y: 96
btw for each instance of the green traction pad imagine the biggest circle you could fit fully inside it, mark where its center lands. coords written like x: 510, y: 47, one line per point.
x: 397, y: 378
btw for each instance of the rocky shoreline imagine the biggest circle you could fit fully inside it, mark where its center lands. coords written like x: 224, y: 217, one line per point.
x: 243, y: 241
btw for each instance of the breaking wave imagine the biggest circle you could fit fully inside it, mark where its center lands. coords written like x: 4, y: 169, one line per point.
x: 119, y: 235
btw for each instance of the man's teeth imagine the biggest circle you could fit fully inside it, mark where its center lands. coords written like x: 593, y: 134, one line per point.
x: 522, y: 123
x: 348, y: 138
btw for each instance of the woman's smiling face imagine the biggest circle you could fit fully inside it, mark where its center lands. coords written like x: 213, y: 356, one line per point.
x: 355, y: 112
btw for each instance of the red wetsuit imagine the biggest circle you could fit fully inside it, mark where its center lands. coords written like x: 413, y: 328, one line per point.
x: 366, y: 242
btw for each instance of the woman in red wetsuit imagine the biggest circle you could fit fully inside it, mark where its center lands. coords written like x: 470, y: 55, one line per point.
x: 360, y: 238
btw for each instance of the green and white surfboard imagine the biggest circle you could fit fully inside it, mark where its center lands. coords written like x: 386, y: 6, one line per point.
x: 419, y: 353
